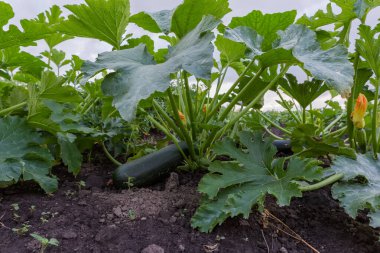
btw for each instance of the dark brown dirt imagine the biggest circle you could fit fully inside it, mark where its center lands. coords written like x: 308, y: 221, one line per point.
x: 99, y: 219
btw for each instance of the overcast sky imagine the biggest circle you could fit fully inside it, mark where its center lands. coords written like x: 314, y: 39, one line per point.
x: 88, y: 49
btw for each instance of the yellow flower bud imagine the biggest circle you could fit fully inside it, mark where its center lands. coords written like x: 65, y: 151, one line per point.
x: 182, y: 117
x: 357, y: 116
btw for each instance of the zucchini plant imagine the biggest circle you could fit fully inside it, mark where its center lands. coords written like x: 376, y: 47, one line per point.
x: 261, y: 59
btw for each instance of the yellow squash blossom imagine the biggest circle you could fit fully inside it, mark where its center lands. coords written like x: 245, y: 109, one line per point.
x: 357, y: 116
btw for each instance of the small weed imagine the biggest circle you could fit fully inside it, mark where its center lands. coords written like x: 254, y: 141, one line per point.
x: 81, y: 184
x: 46, y: 216
x: 129, y: 183
x: 45, y: 242
x: 23, y: 229
x: 131, y: 214
x: 69, y: 194
x: 15, y: 207
x: 32, y: 209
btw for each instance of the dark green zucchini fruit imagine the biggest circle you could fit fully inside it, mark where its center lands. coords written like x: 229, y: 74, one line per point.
x: 150, y: 168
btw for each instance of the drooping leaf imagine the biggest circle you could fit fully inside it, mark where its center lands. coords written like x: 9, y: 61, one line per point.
x: 331, y: 65
x: 360, y: 187
x: 33, y: 30
x: 22, y: 157
x: 299, y: 45
x: 105, y: 20
x: 188, y: 15
x: 266, y: 25
x: 304, y: 93
x: 249, y: 37
x: 155, y: 22
x: 70, y: 154
x: 137, y: 76
x: 235, y: 187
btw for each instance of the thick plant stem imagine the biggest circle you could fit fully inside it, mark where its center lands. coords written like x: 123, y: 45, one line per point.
x: 190, y: 106
x: 303, y: 115
x: 239, y: 95
x: 295, y: 117
x: 345, y: 35
x: 273, y: 123
x: 181, y: 126
x: 218, y: 87
x: 165, y: 131
x: 338, y: 132
x: 168, y: 120
x: 12, y: 108
x: 224, y: 99
x: 332, y: 124
x: 374, y: 119
x: 330, y: 180
x: 351, y: 103
x: 90, y: 106
x: 109, y: 156
x: 219, y: 134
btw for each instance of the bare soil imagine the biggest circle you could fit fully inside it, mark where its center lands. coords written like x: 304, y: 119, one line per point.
x: 98, y: 218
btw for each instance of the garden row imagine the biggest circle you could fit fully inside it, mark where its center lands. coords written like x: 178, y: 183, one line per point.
x: 137, y: 99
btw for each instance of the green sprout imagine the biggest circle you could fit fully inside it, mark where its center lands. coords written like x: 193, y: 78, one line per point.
x: 45, y: 242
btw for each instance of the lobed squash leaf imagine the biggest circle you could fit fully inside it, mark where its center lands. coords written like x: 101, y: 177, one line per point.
x: 137, y: 76
x: 22, y: 157
x: 234, y: 187
x: 266, y: 25
x: 299, y: 45
x: 105, y: 20
x: 360, y: 187
x: 32, y: 30
x: 304, y: 93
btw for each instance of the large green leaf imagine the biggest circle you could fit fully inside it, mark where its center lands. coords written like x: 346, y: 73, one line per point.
x: 22, y: 157
x: 188, y: 15
x: 32, y: 29
x: 247, y: 36
x: 299, y: 45
x: 331, y: 65
x: 105, y: 20
x: 137, y: 76
x: 304, y: 93
x: 360, y: 187
x: 266, y: 25
x: 155, y: 22
x: 233, y: 188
